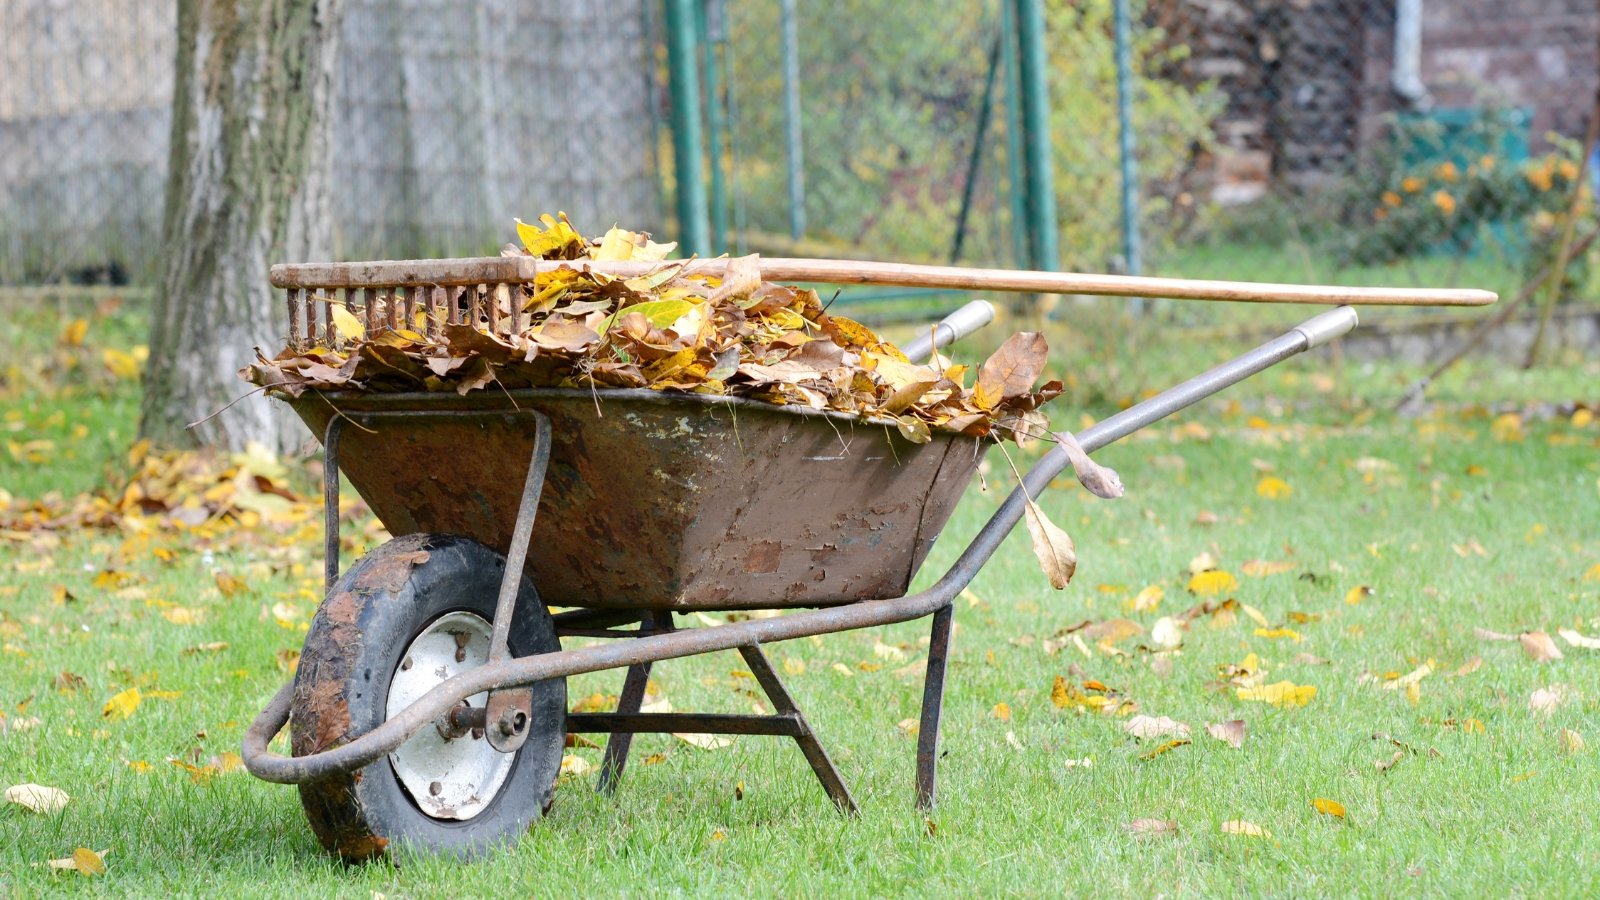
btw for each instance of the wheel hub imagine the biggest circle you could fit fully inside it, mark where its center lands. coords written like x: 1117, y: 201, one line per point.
x: 449, y: 775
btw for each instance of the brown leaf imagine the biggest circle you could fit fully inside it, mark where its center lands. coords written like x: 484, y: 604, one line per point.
x: 1152, y: 827
x: 1485, y: 634
x: 1052, y: 546
x: 1012, y: 369
x: 741, y: 279
x: 1231, y: 732
x: 1539, y: 646
x: 1576, y: 639
x: 1100, y: 480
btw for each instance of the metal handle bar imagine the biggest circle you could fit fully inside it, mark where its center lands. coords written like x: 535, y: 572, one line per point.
x: 525, y: 670
x: 948, y: 330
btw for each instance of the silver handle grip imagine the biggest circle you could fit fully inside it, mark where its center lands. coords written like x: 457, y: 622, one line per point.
x: 1319, y: 330
x: 950, y: 329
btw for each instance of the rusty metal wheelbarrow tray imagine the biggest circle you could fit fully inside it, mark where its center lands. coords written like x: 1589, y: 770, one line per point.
x: 659, y: 501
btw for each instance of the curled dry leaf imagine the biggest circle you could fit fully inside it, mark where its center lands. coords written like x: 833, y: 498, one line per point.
x: 1231, y: 732
x: 1384, y: 765
x: 1052, y: 546
x: 1146, y: 727
x: 1152, y: 827
x: 1485, y: 634
x: 575, y: 765
x: 704, y: 741
x: 1101, y: 481
x: 37, y: 798
x: 1411, y: 678
x: 1169, y: 745
x: 1539, y: 646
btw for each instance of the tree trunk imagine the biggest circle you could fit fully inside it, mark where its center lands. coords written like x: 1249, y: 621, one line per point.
x: 247, y: 186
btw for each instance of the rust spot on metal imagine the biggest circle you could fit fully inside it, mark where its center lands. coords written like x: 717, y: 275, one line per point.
x: 763, y: 557
x: 359, y: 848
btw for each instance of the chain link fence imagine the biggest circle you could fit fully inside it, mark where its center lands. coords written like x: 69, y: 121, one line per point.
x: 1364, y: 141
x: 451, y: 118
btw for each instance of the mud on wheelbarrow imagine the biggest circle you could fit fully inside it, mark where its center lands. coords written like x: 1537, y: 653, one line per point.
x: 429, y: 709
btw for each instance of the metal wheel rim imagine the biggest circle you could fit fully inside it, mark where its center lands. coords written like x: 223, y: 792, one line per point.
x: 451, y: 779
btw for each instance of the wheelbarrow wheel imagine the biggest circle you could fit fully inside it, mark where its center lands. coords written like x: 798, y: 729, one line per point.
x: 408, y: 615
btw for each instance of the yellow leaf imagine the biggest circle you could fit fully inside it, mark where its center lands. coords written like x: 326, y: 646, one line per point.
x: 1506, y: 428
x: 1328, y: 807
x: 75, y: 332
x: 1244, y: 829
x: 1273, y: 488
x: 1212, y: 583
x: 1052, y: 546
x: 909, y: 727
x: 616, y: 245
x: 1001, y: 711
x: 181, y: 615
x: 84, y: 861
x: 1257, y: 568
x: 1060, y: 695
x: 346, y: 324
x: 1168, y: 746
x: 1571, y: 741
x: 705, y: 741
x: 122, y: 705
x: 575, y: 765
x: 1593, y: 574
x: 138, y: 765
x: 1276, y: 633
x: 227, y: 584
x: 120, y: 363
x: 1283, y: 693
x: 1255, y: 616
x: 1149, y: 599
x: 793, y: 666
x: 1357, y: 594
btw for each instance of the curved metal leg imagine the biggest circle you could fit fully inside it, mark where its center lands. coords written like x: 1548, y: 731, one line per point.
x: 621, y: 742
x: 803, y: 735
x: 932, y: 706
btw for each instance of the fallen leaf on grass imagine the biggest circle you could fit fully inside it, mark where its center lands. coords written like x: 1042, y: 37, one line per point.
x: 1384, y: 765
x: 1278, y: 633
x: 37, y: 798
x: 704, y: 741
x: 1358, y: 593
x: 1146, y: 727
x: 1545, y: 700
x: 122, y: 705
x: 1212, y: 582
x: 1328, y: 807
x: 1169, y: 745
x: 1273, y: 488
x: 1484, y: 634
x: 1571, y: 741
x: 576, y: 766
x: 1001, y: 711
x: 84, y: 861
x: 1052, y: 546
x: 1282, y: 693
x: 1148, y: 598
x: 1468, y: 667
x: 69, y: 682
x: 1166, y: 634
x: 1231, y: 732
x: 909, y: 727
x: 213, y: 647
x: 1410, y: 679
x: 1244, y: 829
x: 1151, y: 827
x: 1260, y: 568
x: 1578, y: 640
x: 1539, y: 646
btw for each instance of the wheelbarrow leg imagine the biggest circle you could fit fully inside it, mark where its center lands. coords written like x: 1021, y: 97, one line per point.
x: 633, y: 688
x: 804, y: 736
x: 932, y: 706
x: 619, y: 744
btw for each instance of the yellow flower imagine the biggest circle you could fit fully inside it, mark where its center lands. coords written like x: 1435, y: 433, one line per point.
x: 1390, y: 198
x: 1568, y: 169
x: 1486, y: 163
x: 1446, y: 171
x: 1445, y: 202
x: 1411, y: 185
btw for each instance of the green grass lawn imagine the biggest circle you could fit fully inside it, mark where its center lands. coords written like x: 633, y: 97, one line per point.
x: 1456, y: 521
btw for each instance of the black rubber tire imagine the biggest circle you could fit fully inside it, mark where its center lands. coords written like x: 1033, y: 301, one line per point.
x: 342, y: 686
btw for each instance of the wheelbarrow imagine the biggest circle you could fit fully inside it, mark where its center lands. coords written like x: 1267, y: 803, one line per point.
x: 429, y: 708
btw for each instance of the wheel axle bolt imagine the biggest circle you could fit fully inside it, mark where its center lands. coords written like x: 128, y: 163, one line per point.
x: 435, y: 789
x: 406, y: 666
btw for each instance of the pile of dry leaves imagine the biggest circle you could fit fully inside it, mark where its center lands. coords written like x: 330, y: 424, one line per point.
x: 666, y: 330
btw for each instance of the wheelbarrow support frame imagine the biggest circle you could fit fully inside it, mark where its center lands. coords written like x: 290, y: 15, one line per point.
x: 656, y: 639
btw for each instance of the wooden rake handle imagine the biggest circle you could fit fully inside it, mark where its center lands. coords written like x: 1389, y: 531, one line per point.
x: 521, y: 269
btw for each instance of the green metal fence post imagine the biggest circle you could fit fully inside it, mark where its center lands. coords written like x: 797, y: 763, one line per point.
x: 791, y: 103
x: 693, y: 230
x: 1132, y: 249
x: 714, y: 34
x: 1034, y: 68
x: 1016, y: 185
